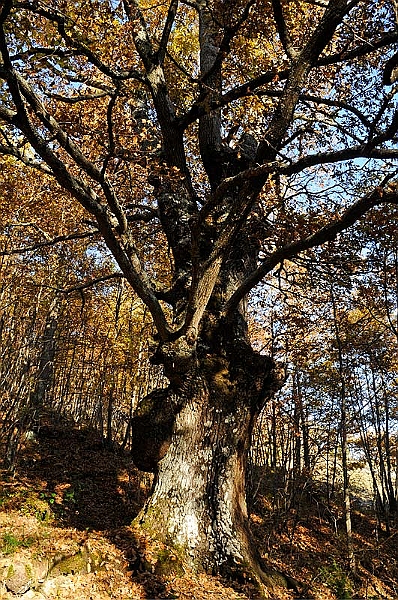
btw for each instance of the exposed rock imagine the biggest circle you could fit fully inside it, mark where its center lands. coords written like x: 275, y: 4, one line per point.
x: 33, y: 577
x: 84, y: 561
x: 55, y: 586
x: 19, y: 578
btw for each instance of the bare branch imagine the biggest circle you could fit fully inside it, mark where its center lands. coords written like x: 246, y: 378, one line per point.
x: 123, y: 249
x: 236, y: 180
x: 361, y: 151
x: 76, y: 99
x: 161, y: 53
x: 26, y: 159
x: 282, y: 29
x: 39, y: 51
x: 304, y: 62
x: 112, y: 145
x: 80, y: 47
x: 91, y: 283
x: 57, y: 240
x: 325, y: 234
x: 285, y: 167
x: 250, y: 86
x: 83, y: 193
x: 309, y: 98
x: 71, y: 148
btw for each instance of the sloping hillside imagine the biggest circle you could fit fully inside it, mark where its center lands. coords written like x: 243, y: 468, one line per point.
x: 65, y: 533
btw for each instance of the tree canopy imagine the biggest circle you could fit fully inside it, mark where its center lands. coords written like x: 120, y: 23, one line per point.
x: 129, y: 104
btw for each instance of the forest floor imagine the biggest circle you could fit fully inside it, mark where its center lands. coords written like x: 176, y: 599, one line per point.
x: 65, y: 516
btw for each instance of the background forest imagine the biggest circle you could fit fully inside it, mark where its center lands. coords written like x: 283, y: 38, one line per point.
x: 332, y: 322
x: 75, y: 348
x: 199, y: 277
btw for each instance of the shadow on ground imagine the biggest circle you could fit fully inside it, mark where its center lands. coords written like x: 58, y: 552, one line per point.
x: 85, y: 486
x: 91, y: 488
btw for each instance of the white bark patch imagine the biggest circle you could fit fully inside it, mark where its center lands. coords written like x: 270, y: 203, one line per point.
x: 185, y: 528
x: 186, y: 476
x: 191, y: 529
x: 155, y: 77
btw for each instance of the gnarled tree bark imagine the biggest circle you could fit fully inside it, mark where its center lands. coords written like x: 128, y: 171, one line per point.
x: 199, y: 455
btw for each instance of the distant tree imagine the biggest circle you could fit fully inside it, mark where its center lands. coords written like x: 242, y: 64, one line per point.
x: 220, y: 139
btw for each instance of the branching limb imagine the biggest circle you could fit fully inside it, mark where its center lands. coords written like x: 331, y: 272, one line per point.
x: 325, y: 234
x: 383, y: 107
x: 39, y: 51
x: 310, y: 98
x: 229, y: 32
x: 22, y: 88
x: 91, y: 83
x: 389, y: 133
x: 360, y: 151
x: 91, y: 283
x: 161, y: 53
x: 57, y: 240
x: 121, y: 247
x: 292, y: 167
x: 283, y: 31
x: 86, y: 196
x: 18, y: 150
x: 141, y: 36
x: 111, y: 149
x: 250, y: 86
x: 173, y: 187
x: 229, y: 183
x: 82, y: 49
x: 74, y: 151
x: 78, y: 98
x: 304, y: 62
x: 210, y: 269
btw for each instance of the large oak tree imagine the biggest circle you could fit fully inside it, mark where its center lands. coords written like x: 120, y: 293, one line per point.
x: 220, y: 139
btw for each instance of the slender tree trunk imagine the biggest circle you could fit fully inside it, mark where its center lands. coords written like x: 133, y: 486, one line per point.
x: 303, y: 413
x: 45, y: 373
x: 343, y: 434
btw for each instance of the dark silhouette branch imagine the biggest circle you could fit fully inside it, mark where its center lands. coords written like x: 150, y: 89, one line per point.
x: 250, y: 86
x: 57, y: 240
x: 325, y: 234
x: 91, y: 283
x: 171, y: 15
x: 76, y: 99
x: 283, y: 31
x: 122, y: 247
x: 80, y: 48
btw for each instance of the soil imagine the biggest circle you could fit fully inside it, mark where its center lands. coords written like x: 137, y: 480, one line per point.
x: 65, y: 519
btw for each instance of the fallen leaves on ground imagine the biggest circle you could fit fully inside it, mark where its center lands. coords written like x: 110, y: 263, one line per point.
x: 71, y: 495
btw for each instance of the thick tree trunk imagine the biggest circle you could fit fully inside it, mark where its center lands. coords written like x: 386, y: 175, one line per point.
x: 198, y: 505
